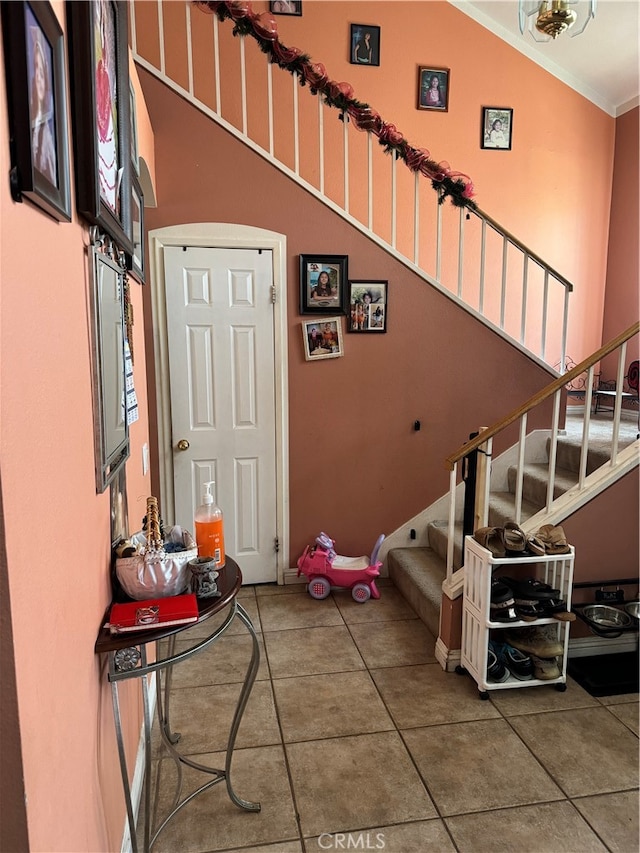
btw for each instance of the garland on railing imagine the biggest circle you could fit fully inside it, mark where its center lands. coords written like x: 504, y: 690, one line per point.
x: 264, y: 29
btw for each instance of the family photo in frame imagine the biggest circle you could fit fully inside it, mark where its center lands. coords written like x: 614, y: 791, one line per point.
x: 368, y: 306
x: 101, y: 104
x: 433, y: 88
x: 323, y: 280
x: 497, y: 127
x: 322, y: 339
x: 286, y: 7
x: 34, y: 51
x: 365, y: 45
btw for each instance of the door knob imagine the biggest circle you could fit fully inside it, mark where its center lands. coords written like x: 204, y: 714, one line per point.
x: 183, y: 444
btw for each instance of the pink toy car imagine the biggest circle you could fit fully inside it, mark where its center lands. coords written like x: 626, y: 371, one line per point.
x: 323, y: 567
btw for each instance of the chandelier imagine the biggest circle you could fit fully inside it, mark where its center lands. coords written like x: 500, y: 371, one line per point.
x: 553, y: 17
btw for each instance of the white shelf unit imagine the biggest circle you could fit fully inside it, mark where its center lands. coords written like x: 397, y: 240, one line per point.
x: 479, y: 567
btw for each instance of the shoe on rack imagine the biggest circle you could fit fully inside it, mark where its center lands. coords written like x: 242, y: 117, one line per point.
x: 496, y: 671
x: 545, y: 669
x: 518, y: 663
x: 539, y: 640
x: 502, y: 607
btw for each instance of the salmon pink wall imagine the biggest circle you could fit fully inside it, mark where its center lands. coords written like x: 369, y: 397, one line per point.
x: 552, y: 190
x: 57, y: 529
x: 621, y: 306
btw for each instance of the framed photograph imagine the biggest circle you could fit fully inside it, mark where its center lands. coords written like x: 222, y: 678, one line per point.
x: 433, y: 88
x: 364, y: 45
x: 286, y: 7
x: 101, y: 102
x: 322, y: 338
x: 136, y: 261
x: 497, y: 128
x: 135, y: 157
x: 323, y: 282
x: 367, y: 306
x: 37, y: 107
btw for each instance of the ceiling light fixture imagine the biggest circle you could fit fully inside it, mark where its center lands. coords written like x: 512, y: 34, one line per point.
x: 553, y: 17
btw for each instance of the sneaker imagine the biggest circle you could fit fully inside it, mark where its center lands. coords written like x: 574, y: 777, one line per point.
x: 518, y: 663
x: 538, y: 640
x: 495, y: 670
x: 545, y: 669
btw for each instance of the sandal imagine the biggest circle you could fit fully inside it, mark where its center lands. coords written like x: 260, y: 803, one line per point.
x: 531, y: 588
x: 535, y: 546
x: 502, y: 606
x: 515, y: 542
x: 491, y: 539
x: 554, y: 540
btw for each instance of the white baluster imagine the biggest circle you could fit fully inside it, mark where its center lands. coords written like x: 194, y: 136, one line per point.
x: 243, y: 86
x: 416, y: 218
x: 296, y: 125
x: 525, y: 280
x: 189, y: 48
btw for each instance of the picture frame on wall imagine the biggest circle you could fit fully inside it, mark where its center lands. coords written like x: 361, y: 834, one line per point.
x: 286, y: 7
x: 433, y: 88
x: 322, y: 338
x: 364, y: 45
x: 34, y: 53
x: 133, y: 116
x: 323, y: 282
x: 136, y: 260
x: 100, y: 99
x: 496, y: 128
x: 367, y: 306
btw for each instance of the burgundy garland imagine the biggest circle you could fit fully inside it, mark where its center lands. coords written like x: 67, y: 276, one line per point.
x: 264, y: 29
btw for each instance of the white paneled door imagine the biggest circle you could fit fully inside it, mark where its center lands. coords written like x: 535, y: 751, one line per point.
x: 220, y: 329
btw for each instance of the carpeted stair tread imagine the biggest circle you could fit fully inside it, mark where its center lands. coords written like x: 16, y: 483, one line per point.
x: 570, y: 447
x: 535, y: 481
x: 418, y: 574
x: 502, y: 509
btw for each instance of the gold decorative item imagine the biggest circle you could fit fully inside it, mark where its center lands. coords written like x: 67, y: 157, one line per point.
x: 550, y: 18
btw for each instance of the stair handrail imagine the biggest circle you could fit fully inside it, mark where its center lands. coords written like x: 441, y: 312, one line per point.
x: 540, y: 396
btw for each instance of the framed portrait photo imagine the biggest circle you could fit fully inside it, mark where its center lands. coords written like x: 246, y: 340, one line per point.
x: 367, y: 306
x: 37, y: 107
x: 322, y: 339
x: 364, y: 45
x: 101, y: 101
x: 496, y: 128
x: 136, y: 260
x: 433, y: 88
x: 323, y: 282
x: 285, y: 7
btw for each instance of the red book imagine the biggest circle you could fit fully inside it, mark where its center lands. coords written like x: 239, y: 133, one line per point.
x: 153, y: 613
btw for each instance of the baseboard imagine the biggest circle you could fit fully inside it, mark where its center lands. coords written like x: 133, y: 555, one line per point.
x: 137, y: 783
x: 448, y: 659
x: 291, y: 576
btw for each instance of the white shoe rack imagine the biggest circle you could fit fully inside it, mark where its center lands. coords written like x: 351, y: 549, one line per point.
x: 479, y: 567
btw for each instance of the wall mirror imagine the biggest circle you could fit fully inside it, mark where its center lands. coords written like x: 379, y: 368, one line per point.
x: 110, y: 420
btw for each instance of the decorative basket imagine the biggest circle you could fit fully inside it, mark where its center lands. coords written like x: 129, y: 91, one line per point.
x: 154, y: 573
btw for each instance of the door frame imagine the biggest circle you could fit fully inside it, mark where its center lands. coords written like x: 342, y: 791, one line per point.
x: 223, y: 235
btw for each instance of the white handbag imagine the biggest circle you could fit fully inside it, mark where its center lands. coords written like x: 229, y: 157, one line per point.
x: 154, y: 572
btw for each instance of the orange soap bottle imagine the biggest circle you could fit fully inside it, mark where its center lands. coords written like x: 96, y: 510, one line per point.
x: 210, y: 528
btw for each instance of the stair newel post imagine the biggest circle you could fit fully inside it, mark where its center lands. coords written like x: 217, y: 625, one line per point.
x: 476, y: 475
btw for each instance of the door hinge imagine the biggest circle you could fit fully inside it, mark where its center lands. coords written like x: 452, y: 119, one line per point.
x: 276, y: 544
x: 273, y: 293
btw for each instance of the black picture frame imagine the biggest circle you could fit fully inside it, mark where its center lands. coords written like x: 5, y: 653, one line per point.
x: 286, y: 7
x: 363, y: 50
x: 100, y: 89
x: 38, y: 136
x: 368, y: 303
x: 312, y: 298
x: 136, y: 260
x: 496, y: 128
x: 426, y: 76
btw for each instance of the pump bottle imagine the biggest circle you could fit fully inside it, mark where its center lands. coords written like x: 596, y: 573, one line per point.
x: 209, y: 528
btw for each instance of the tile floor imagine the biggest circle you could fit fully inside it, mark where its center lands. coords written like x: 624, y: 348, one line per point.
x: 354, y: 738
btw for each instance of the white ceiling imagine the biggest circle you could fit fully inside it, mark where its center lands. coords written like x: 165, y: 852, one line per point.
x: 602, y: 63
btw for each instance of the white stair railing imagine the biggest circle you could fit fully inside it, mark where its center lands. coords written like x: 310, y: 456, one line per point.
x: 463, y: 252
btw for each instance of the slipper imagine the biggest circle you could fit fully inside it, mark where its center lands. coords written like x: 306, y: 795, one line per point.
x: 515, y: 542
x: 554, y: 540
x: 491, y: 539
x: 535, y: 546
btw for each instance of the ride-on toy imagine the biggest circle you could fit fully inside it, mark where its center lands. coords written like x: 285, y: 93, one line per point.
x: 324, y: 568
